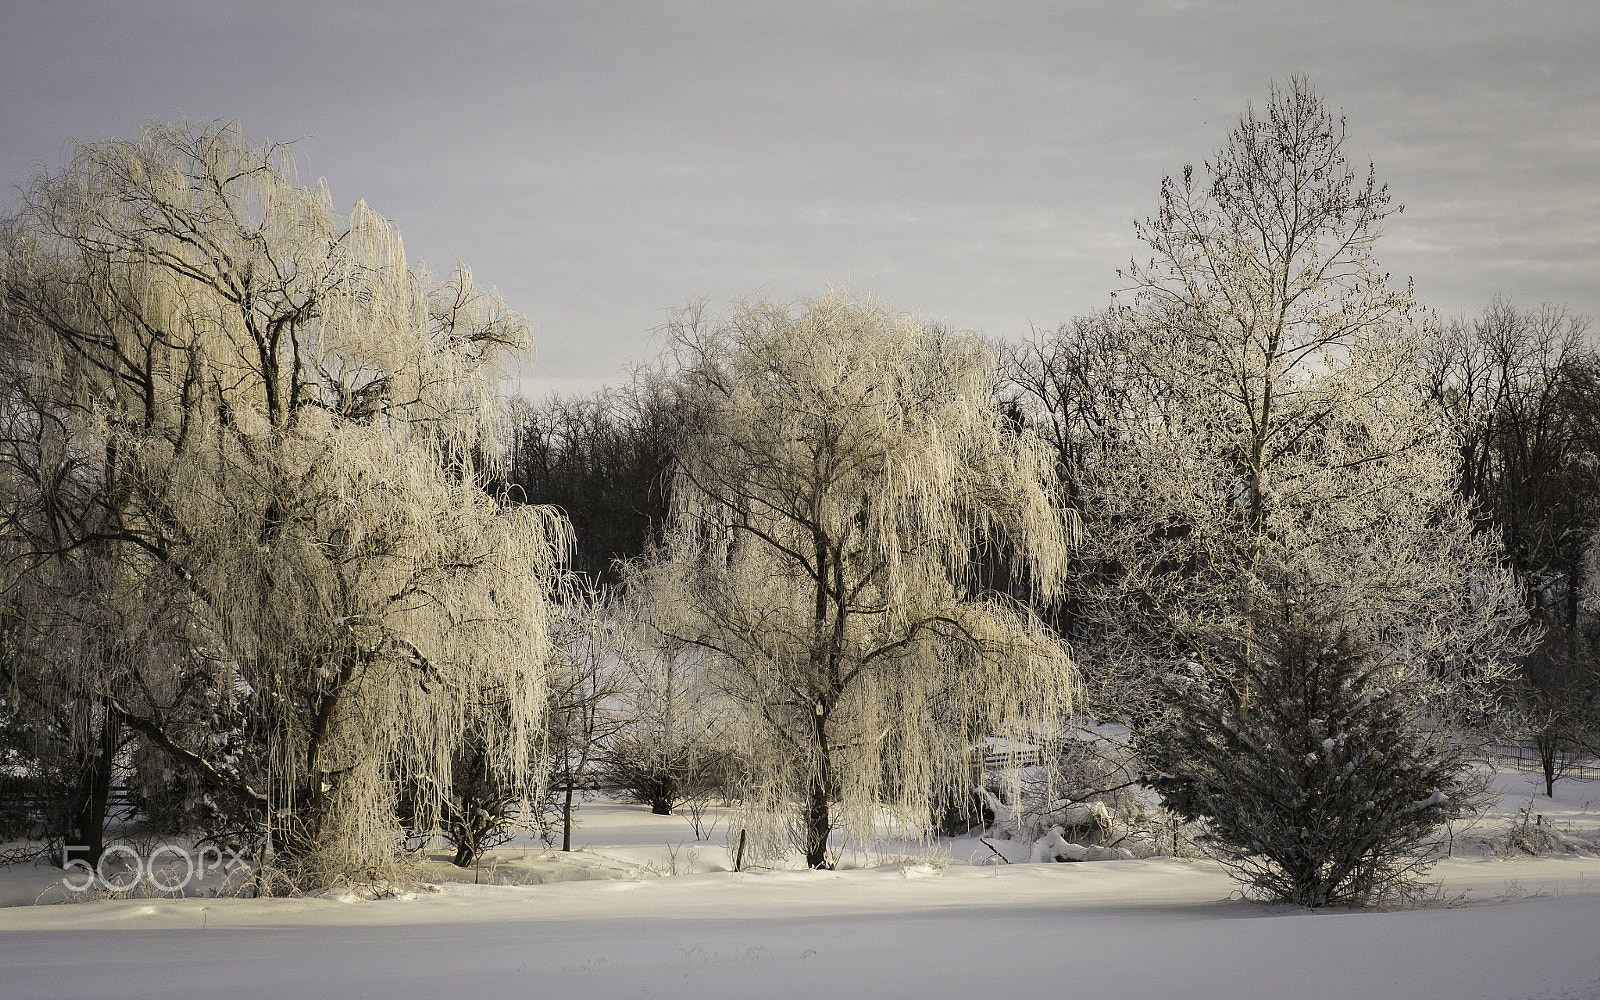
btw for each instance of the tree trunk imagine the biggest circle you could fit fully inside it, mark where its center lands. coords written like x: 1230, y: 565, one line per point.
x: 86, y: 825
x: 566, y: 816
x: 818, y: 825
x: 818, y: 818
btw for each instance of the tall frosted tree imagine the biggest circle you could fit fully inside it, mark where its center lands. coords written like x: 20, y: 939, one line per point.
x: 243, y: 454
x: 1281, y: 450
x: 1280, y: 418
x: 844, y: 474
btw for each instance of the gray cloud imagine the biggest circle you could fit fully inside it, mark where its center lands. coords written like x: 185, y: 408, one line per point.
x: 980, y: 164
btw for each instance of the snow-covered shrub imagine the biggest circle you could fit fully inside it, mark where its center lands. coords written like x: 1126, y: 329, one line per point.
x: 1087, y: 793
x: 1087, y: 786
x: 1054, y: 846
x: 175, y: 800
x: 661, y: 773
x: 1529, y: 832
x: 478, y: 811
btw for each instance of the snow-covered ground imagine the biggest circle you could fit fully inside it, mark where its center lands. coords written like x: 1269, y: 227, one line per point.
x: 644, y: 910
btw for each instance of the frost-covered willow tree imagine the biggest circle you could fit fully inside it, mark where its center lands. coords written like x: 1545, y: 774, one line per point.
x: 1283, y: 451
x: 258, y: 433
x: 843, y: 475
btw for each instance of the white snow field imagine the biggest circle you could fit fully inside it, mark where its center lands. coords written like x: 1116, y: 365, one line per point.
x: 634, y: 915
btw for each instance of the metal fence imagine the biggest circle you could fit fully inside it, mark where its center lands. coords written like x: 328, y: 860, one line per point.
x: 1521, y: 758
x: 1527, y: 759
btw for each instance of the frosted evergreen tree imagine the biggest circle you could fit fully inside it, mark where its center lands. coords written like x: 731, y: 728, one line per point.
x: 1329, y: 788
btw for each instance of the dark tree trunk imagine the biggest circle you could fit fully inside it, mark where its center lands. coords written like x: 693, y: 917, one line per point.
x: 566, y: 816
x: 818, y: 818
x: 86, y: 825
x: 819, y: 824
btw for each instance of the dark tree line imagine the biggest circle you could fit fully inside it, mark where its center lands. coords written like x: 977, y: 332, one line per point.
x: 605, y: 459
x: 1522, y: 391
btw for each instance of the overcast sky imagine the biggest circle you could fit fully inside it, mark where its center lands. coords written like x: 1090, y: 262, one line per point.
x: 979, y: 163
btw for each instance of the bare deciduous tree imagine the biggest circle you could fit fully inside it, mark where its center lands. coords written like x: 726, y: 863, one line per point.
x: 1557, y: 697
x: 1522, y: 391
x: 591, y: 641
x: 1285, y: 425
x: 675, y: 745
